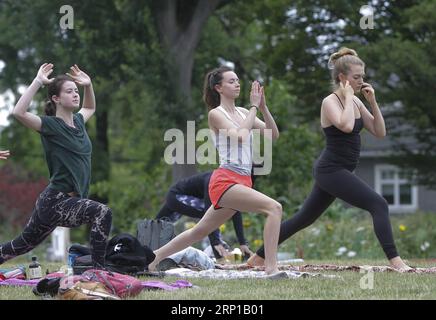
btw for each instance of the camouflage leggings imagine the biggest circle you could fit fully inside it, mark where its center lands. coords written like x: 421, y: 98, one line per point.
x: 57, y: 209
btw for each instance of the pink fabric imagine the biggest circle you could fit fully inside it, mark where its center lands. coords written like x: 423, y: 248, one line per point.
x: 19, y: 282
x: 179, y: 284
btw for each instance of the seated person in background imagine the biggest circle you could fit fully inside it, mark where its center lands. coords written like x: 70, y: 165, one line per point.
x: 190, y: 197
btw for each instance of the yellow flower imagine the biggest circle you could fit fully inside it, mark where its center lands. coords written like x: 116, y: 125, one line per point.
x: 402, y: 227
x: 189, y: 225
x: 222, y: 228
x: 257, y: 242
x: 329, y: 227
x: 246, y: 223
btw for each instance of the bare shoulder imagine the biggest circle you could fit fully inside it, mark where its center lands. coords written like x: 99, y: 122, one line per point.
x: 214, y: 113
x: 359, y: 102
x: 212, y: 117
x: 329, y: 101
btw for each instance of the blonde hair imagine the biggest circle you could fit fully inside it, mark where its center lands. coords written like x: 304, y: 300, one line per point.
x: 340, y: 62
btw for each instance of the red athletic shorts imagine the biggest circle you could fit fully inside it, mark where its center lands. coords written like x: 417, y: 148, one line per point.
x: 221, y: 181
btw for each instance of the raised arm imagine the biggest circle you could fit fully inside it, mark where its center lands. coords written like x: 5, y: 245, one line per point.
x: 81, y: 78
x: 269, y: 120
x: 341, y: 118
x: 374, y: 122
x: 218, y: 121
x: 20, y: 110
x: 4, y: 154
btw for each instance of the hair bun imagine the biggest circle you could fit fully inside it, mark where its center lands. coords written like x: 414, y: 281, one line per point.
x: 344, y: 51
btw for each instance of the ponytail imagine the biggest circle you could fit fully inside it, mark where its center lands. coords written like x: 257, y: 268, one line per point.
x: 50, y: 108
x: 210, y: 96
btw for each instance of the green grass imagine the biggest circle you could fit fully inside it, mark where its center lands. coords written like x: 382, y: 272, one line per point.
x: 387, y: 285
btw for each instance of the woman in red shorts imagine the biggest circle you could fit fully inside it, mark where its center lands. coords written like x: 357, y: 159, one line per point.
x: 230, y: 185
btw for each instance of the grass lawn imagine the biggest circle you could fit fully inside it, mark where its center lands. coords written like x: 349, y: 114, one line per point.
x: 386, y: 285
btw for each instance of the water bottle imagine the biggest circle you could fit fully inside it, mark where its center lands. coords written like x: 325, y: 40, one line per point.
x: 35, y: 271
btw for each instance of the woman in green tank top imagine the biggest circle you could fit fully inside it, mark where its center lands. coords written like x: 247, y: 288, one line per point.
x: 67, y: 150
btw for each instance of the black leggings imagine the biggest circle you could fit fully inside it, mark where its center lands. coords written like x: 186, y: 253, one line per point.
x: 57, y: 209
x: 172, y: 205
x: 346, y: 186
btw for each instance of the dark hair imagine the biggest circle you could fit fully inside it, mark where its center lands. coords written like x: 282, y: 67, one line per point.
x: 54, y: 89
x: 210, y: 96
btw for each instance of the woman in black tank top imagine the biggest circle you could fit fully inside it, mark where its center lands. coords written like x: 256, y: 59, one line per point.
x: 342, y: 149
x: 343, y: 116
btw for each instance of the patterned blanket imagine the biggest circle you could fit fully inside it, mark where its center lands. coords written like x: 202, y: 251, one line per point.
x: 324, y: 267
x: 226, y: 274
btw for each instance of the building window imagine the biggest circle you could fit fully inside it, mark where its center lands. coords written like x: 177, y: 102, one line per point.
x: 400, y: 194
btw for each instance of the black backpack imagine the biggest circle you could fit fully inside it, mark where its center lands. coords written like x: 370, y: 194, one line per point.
x: 125, y: 250
x: 124, y: 254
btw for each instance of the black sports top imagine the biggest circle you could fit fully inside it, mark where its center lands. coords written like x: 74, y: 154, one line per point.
x: 342, y: 149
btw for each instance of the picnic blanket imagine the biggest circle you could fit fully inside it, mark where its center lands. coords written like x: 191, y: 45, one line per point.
x: 239, y: 274
x: 324, y: 267
x: 147, y: 285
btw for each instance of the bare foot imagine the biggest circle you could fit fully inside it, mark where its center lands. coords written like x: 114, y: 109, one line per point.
x: 256, y: 261
x: 152, y: 266
x: 271, y: 271
x: 398, y: 264
x: 406, y: 268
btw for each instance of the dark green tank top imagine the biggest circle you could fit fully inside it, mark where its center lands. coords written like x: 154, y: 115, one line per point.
x: 68, y: 154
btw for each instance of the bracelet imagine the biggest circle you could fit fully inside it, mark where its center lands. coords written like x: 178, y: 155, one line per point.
x: 253, y: 105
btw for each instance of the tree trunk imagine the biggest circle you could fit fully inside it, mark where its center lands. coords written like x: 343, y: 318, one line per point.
x: 101, y: 162
x: 179, y: 24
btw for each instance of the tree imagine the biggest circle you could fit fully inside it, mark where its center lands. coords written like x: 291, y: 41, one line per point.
x: 114, y: 42
x: 37, y: 37
x: 298, y: 37
x: 403, y: 65
x: 180, y: 24
x: 19, y: 190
